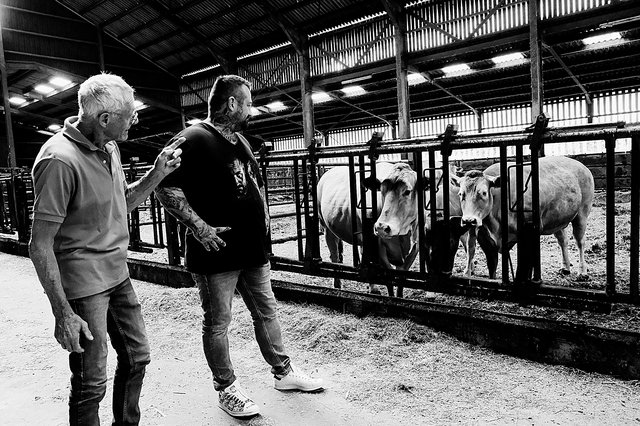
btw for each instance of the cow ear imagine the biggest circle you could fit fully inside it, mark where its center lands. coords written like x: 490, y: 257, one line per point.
x: 494, y: 181
x: 454, y: 180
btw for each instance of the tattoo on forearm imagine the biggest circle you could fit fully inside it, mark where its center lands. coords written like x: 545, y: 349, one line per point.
x: 174, y: 200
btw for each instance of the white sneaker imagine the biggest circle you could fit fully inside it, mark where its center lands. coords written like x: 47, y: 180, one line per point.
x: 236, y: 403
x: 298, y: 380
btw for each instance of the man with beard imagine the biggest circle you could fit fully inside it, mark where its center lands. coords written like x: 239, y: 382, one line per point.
x: 217, y: 157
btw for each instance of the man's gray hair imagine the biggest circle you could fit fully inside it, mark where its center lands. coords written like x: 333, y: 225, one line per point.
x: 104, y: 93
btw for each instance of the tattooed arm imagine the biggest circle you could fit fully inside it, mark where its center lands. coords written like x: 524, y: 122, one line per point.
x: 174, y: 200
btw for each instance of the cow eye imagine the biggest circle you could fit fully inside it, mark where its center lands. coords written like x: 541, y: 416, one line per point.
x: 406, y: 192
x: 461, y: 195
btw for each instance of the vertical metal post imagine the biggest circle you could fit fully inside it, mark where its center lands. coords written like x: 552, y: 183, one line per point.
x: 154, y: 219
x: 173, y: 239
x: 417, y: 161
x: 363, y: 206
x: 265, y: 181
x: 433, y: 184
x: 522, y: 269
x: 296, y: 194
x: 308, y: 255
x: 353, y: 193
x: 312, y: 231
x: 635, y: 219
x: 610, y: 144
x: 11, y: 150
x: 504, y: 212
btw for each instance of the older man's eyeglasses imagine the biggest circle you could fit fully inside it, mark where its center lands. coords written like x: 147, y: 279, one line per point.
x: 132, y: 120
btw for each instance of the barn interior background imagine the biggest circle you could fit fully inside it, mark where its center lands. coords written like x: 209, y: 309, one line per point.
x: 328, y: 74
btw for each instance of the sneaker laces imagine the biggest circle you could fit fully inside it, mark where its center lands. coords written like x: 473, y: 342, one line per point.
x: 233, y: 398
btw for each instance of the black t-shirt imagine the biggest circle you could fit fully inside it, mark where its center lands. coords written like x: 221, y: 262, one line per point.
x: 222, y: 182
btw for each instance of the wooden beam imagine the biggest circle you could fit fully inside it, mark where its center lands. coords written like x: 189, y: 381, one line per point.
x: 535, y: 56
x: 396, y: 12
x: 568, y: 70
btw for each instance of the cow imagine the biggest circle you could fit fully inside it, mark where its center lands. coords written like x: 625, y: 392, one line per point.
x: 334, y: 204
x: 399, y: 219
x: 566, y: 196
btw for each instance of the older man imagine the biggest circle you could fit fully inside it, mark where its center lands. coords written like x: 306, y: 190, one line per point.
x: 217, y: 156
x: 79, y: 247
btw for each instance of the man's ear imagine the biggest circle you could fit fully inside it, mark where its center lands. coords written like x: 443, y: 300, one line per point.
x: 494, y: 181
x: 231, y: 103
x: 103, y: 119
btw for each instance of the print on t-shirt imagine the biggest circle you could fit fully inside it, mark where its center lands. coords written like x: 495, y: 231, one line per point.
x: 238, y: 171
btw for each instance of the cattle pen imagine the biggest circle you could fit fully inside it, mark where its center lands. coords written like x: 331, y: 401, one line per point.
x: 603, y: 350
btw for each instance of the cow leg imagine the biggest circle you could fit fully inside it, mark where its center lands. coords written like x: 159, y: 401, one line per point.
x: 579, y: 229
x: 335, y: 252
x: 490, y: 249
x: 469, y: 242
x: 562, y: 241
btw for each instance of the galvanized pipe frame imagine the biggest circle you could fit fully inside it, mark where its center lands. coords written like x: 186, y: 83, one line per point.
x: 534, y: 290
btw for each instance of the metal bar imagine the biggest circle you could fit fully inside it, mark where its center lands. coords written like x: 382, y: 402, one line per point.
x: 363, y: 206
x: 521, y: 271
x: 417, y: 161
x: 312, y: 226
x: 433, y: 184
x: 504, y: 214
x: 555, y: 135
x: 353, y: 195
x: 296, y: 183
x: 610, y: 144
x: 634, y: 250
x: 158, y: 209
x: 154, y: 219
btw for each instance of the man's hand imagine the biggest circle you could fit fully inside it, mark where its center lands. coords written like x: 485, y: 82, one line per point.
x: 208, y: 237
x: 68, y: 329
x: 169, y: 158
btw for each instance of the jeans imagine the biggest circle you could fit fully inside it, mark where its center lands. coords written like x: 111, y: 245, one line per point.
x: 117, y: 312
x: 216, y: 295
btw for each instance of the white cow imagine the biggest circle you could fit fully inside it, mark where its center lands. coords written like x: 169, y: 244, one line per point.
x: 566, y: 196
x: 334, y: 205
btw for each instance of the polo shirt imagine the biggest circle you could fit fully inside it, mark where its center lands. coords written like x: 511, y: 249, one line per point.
x: 82, y: 188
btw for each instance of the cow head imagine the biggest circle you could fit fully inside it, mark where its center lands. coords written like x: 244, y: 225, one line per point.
x: 441, y: 243
x: 399, y: 203
x: 476, y: 196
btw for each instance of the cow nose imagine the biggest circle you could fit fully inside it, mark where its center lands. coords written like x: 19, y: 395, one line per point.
x: 382, y: 228
x: 469, y: 220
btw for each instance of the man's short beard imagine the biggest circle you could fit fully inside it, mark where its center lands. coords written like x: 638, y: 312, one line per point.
x: 242, y: 125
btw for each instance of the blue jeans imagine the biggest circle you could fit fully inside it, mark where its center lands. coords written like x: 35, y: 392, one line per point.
x: 117, y: 312
x: 216, y: 295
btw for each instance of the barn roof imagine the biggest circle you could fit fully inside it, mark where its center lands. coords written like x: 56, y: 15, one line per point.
x: 162, y: 46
